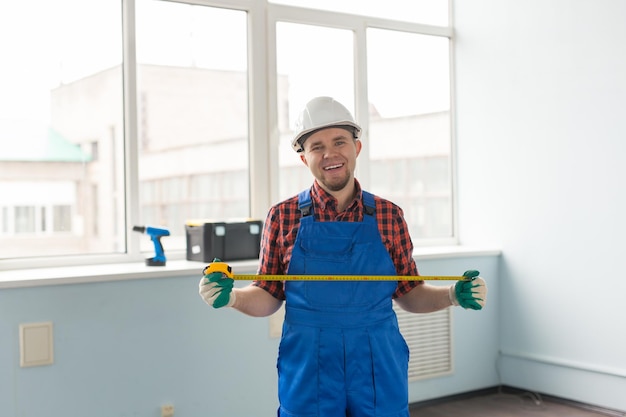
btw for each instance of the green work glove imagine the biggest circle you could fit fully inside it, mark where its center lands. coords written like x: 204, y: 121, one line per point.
x: 216, y: 289
x: 470, y: 292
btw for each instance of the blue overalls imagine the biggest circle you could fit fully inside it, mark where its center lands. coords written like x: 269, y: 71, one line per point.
x: 341, y: 353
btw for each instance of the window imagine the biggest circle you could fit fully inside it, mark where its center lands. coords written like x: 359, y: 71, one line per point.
x: 404, y: 105
x: 61, y: 84
x: 431, y: 12
x: 410, y: 141
x: 5, y: 220
x: 193, y: 115
x: 162, y: 112
x: 25, y: 219
x: 313, y: 61
x: 62, y: 219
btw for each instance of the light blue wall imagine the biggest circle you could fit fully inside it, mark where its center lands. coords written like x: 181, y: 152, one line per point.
x: 124, y: 348
x: 541, y: 128
x: 475, y: 333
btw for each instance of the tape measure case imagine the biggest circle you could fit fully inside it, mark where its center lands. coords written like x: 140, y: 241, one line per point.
x: 227, y: 241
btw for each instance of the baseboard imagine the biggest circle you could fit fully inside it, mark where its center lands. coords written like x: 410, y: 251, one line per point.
x: 455, y: 397
x: 503, y: 389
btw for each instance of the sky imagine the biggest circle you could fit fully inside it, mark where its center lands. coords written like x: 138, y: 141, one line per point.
x: 41, y: 50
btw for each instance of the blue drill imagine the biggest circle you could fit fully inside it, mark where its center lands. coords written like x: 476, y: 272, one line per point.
x: 155, y: 234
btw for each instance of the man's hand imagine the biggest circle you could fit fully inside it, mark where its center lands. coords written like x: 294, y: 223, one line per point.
x: 469, y: 293
x: 216, y: 289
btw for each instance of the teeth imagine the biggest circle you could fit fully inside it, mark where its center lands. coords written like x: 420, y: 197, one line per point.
x: 332, y: 167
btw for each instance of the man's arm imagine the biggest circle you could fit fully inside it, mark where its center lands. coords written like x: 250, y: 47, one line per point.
x: 255, y: 301
x: 425, y: 298
x: 470, y: 293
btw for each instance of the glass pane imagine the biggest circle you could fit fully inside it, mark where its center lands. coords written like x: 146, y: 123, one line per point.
x: 193, y: 115
x: 311, y: 61
x: 430, y: 12
x: 62, y: 218
x: 61, y: 98
x: 410, y: 139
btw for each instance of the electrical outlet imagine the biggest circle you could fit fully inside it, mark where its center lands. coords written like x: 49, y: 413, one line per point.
x: 167, y: 410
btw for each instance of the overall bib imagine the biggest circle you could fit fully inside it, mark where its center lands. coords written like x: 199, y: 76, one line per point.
x: 341, y: 353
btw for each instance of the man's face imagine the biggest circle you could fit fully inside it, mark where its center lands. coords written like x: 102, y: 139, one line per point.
x: 331, y: 156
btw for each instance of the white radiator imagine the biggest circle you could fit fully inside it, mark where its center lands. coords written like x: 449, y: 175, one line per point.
x: 429, y: 337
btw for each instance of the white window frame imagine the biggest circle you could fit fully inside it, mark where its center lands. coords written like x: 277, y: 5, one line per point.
x: 262, y: 107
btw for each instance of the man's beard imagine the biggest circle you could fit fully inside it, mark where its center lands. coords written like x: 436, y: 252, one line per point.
x: 338, y: 184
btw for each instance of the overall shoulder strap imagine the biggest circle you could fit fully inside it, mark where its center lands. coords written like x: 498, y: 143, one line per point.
x: 304, y: 202
x: 369, y: 203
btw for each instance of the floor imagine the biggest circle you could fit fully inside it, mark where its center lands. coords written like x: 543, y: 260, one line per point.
x: 506, y: 403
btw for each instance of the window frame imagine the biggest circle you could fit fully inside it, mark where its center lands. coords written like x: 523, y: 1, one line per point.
x: 359, y: 25
x: 262, y: 112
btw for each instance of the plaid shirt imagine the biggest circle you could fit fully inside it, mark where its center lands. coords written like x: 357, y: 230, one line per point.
x: 283, y: 220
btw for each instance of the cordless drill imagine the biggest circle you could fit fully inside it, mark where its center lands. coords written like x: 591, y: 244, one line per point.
x: 155, y: 235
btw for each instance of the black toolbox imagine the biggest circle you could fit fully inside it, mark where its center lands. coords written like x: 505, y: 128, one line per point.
x: 227, y: 241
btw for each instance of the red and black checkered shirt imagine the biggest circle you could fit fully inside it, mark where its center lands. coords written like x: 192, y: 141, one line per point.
x: 283, y: 220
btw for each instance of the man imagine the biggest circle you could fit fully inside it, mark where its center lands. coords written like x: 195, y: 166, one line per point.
x: 341, y: 353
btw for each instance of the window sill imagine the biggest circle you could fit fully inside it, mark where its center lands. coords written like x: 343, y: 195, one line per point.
x: 442, y: 252
x: 37, y: 277
x: 106, y: 272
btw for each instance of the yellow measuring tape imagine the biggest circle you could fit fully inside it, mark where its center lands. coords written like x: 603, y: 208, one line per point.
x: 224, y: 268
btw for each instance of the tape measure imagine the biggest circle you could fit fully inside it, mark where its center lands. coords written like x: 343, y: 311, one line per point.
x: 224, y: 268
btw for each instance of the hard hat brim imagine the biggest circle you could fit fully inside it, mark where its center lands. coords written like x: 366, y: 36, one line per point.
x: 298, y: 141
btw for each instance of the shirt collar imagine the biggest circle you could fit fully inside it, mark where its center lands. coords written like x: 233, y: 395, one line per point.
x: 324, y: 200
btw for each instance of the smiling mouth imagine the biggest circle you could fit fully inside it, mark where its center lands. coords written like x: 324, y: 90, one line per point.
x: 331, y: 167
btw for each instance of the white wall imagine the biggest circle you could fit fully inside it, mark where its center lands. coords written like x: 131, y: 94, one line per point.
x: 541, y: 130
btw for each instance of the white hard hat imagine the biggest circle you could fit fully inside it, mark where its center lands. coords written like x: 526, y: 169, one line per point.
x: 320, y: 113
